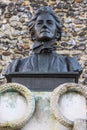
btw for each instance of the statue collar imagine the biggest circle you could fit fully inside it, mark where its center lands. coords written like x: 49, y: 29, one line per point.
x: 44, y: 47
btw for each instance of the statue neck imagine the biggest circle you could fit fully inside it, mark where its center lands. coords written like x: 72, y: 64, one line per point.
x: 44, y: 46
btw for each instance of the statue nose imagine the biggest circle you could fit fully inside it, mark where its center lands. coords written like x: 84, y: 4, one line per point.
x: 44, y: 26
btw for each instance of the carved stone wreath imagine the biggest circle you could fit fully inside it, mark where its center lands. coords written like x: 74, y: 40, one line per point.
x: 26, y: 93
x: 57, y: 93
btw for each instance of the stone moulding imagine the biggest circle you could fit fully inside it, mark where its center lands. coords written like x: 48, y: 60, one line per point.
x: 26, y: 93
x: 57, y: 93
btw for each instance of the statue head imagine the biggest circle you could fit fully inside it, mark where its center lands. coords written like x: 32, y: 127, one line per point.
x: 45, y: 25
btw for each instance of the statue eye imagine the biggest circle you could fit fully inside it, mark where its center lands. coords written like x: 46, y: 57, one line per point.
x: 49, y: 22
x: 39, y: 22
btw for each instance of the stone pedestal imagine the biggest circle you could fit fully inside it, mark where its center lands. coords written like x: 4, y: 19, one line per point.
x: 43, y: 118
x: 80, y: 125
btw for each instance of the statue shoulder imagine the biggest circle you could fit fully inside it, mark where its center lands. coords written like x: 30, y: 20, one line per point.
x: 73, y: 64
x: 13, y: 66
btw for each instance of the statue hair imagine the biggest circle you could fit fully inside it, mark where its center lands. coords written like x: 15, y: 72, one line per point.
x: 45, y: 9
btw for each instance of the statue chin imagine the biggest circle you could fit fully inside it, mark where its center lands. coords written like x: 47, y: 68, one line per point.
x: 45, y: 38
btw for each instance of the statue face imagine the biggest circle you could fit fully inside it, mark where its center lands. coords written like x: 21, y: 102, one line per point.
x: 45, y: 27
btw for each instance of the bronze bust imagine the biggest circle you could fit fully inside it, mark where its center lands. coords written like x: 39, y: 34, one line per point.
x: 45, y: 28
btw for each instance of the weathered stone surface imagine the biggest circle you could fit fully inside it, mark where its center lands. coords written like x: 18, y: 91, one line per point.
x: 80, y: 125
x: 44, y: 117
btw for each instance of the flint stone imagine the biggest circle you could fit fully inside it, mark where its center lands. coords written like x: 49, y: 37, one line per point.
x: 5, y: 58
x: 59, y: 5
x: 69, y: 20
x: 85, y: 82
x: 19, y: 2
x: 76, y: 9
x: 2, y: 5
x: 0, y: 12
x: 18, y: 28
x: 14, y: 18
x: 14, y: 23
x: 8, y: 15
x: 86, y: 70
x: 25, y: 46
x: 15, y: 33
x: 82, y: 39
x: 7, y: 31
x: 1, y: 34
x: 22, y: 20
x: 16, y: 55
x: 64, y: 34
x: 15, y: 12
x: 81, y: 47
x: 86, y: 65
x: 19, y: 48
x: 0, y: 57
x: 70, y: 13
x: 82, y: 33
x: 78, y: 1
x: 29, y: 14
x: 4, y: 63
x: 84, y: 58
x: 6, y: 53
x: 84, y: 75
x: 1, y: 67
x: 72, y: 42
x: 26, y: 3
x: 1, y: 70
x: 5, y: 27
x: 64, y: 44
x: 78, y: 21
x: 69, y: 34
x: 22, y: 32
x: 12, y: 42
x: 85, y: 29
x: 1, y: 76
x: 71, y: 26
x: 11, y: 7
x: 5, y: 48
x: 4, y: 21
x: 21, y: 9
x: 24, y: 16
x: 75, y: 5
x: 0, y: 37
x: 16, y: 50
x: 84, y: 1
x: 77, y: 29
x: 66, y: 6
x: 70, y: 1
x: 12, y: 46
x: 74, y: 52
x: 17, y: 25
